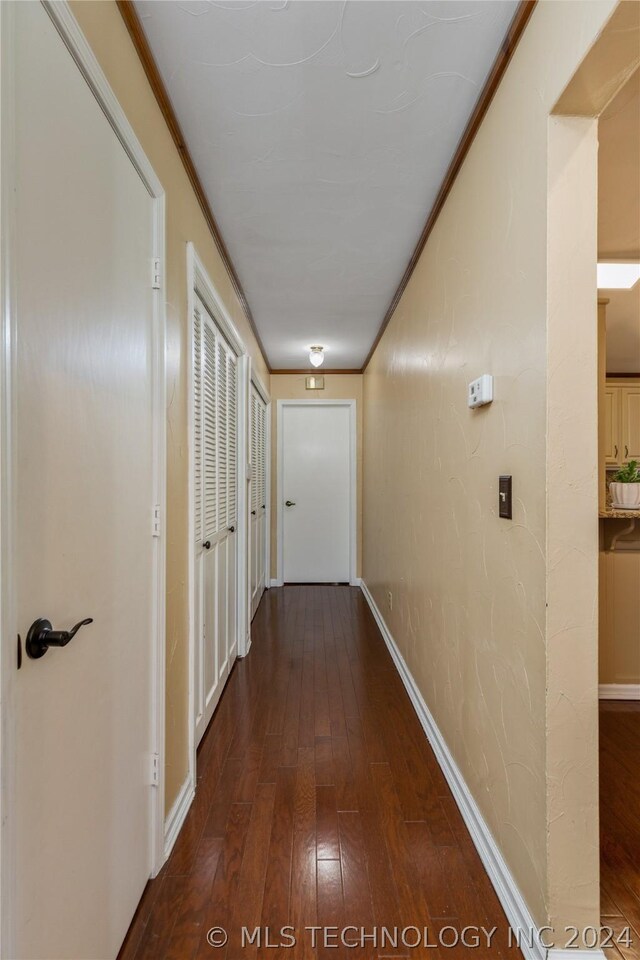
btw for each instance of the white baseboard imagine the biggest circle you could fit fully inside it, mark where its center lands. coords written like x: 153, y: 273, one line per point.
x: 513, y: 903
x: 356, y: 582
x: 619, y: 691
x: 555, y: 954
x: 177, y: 815
x: 275, y: 582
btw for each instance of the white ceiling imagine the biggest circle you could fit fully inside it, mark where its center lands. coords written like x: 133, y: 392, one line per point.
x: 321, y: 131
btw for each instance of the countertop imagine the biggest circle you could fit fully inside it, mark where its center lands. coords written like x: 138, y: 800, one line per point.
x: 612, y: 513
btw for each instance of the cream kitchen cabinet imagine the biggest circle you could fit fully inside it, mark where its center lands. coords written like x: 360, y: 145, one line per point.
x: 611, y: 425
x: 630, y: 416
x: 621, y: 422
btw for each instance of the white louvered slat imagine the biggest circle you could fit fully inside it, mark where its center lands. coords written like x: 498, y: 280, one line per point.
x: 223, y: 435
x: 232, y: 435
x: 197, y: 422
x: 254, y: 448
x: 215, y: 380
x: 261, y: 454
x: 209, y: 379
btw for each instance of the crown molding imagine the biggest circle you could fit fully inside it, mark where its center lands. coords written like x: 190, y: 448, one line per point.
x: 314, y: 371
x: 140, y: 42
x: 516, y: 29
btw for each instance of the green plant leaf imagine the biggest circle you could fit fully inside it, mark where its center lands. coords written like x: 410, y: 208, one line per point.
x: 628, y: 474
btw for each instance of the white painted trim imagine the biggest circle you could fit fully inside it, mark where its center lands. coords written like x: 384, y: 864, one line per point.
x: 75, y: 41
x: 554, y: 954
x: 160, y: 551
x: 619, y: 691
x: 243, y: 551
x: 7, y: 477
x: 518, y: 914
x: 256, y: 380
x: 178, y: 814
x: 274, y: 582
x: 353, y: 485
x: 199, y: 284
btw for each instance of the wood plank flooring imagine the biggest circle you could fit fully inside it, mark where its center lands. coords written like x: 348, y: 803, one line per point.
x: 319, y: 803
x: 620, y: 822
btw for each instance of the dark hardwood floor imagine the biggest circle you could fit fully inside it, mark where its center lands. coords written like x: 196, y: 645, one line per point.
x: 620, y: 821
x: 319, y: 803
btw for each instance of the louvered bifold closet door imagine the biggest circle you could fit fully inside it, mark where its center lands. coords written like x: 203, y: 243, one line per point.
x: 254, y: 500
x: 232, y: 504
x: 262, y: 505
x: 209, y: 432
x: 197, y: 361
x: 262, y: 452
x: 254, y: 444
x: 258, y: 497
x: 215, y: 390
x: 197, y: 425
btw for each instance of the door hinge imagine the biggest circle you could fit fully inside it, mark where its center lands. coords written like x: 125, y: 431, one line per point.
x: 155, y: 769
x: 156, y: 278
x: 155, y: 525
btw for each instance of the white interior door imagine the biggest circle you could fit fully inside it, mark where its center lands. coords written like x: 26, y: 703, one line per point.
x: 258, y: 497
x: 216, y: 513
x: 316, y: 492
x: 83, y: 541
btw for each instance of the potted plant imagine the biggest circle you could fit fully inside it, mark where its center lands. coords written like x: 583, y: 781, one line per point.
x: 625, y: 487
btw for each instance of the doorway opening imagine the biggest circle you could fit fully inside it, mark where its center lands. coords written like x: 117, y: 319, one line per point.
x: 316, y: 499
x: 619, y: 512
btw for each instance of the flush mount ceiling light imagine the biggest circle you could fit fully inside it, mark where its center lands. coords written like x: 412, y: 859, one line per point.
x: 316, y: 356
x: 618, y: 276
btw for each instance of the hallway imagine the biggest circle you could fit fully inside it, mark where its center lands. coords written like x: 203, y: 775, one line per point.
x: 319, y: 803
x: 620, y: 822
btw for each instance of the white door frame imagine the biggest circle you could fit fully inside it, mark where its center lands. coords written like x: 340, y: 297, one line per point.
x: 353, y: 485
x: 266, y: 397
x: 75, y: 41
x: 200, y: 285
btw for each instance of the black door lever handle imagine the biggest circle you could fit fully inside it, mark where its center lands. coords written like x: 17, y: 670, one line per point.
x: 41, y: 636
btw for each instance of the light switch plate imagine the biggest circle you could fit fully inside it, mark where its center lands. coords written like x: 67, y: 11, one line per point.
x: 481, y: 391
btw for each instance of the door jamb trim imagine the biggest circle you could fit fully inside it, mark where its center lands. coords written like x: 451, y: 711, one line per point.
x: 353, y: 481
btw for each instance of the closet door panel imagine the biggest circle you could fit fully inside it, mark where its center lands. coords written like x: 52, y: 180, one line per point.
x: 216, y: 512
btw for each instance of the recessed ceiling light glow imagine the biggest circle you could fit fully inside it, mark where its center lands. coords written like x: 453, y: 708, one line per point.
x: 618, y: 276
x: 316, y: 356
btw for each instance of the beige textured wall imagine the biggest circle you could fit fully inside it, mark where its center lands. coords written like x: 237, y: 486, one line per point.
x: 291, y: 386
x: 109, y: 39
x: 618, y: 179
x: 573, y: 850
x: 470, y: 590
